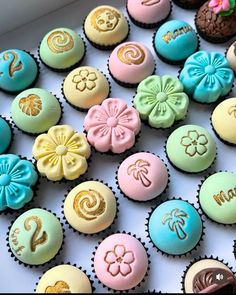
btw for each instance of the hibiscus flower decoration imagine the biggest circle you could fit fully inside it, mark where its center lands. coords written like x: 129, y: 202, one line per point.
x: 195, y: 143
x: 222, y: 7
x: 85, y: 80
x: 17, y: 178
x: 61, y: 153
x: 112, y: 126
x: 119, y: 261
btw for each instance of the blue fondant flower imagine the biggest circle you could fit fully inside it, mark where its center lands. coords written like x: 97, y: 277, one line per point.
x: 17, y: 177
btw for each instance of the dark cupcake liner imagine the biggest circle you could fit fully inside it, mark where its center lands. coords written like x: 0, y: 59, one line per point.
x: 198, y: 245
x: 69, y: 263
x: 29, y: 265
x: 234, y: 249
x: 152, y: 25
x: 11, y: 125
x: 148, y: 269
x: 98, y: 233
x: 77, y: 64
x: 199, y: 204
x: 188, y: 5
x: 78, y: 108
x: 33, y: 83
x: 157, y: 199
x: 199, y: 259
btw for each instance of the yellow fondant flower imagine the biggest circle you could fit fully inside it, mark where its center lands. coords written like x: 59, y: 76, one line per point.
x: 61, y: 153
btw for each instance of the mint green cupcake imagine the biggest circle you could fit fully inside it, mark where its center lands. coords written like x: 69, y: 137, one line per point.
x: 191, y: 149
x: 35, y: 110
x: 61, y: 49
x: 35, y: 237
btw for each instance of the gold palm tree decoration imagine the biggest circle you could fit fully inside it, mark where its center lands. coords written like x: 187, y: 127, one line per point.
x: 139, y: 170
x: 175, y: 220
x: 232, y: 111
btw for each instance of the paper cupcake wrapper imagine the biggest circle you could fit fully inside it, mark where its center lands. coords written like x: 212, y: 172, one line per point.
x: 105, y: 231
x: 40, y: 265
x: 188, y: 5
x: 198, y: 259
x: 234, y: 251
x: 187, y: 254
x: 143, y: 280
x: 71, y: 264
x: 158, y: 199
x: 11, y: 125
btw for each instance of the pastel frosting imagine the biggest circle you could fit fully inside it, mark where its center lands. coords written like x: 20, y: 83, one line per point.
x: 161, y: 101
x: 61, y: 48
x: 231, y: 56
x: 112, y: 126
x: 191, y: 148
x: 175, y: 40
x: 131, y: 62
x: 85, y: 87
x: 207, y: 76
x: 18, y: 70
x: 35, y: 237
x: 90, y: 207
x: 17, y: 179
x: 175, y: 227
x: 120, y: 262
x: 142, y: 176
x: 5, y: 135
x: 35, y: 110
x: 64, y: 279
x: 61, y: 153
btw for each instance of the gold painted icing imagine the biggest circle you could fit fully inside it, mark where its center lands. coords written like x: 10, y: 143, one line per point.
x: 139, y: 170
x: 60, y: 41
x: 14, y: 67
x: 31, y: 105
x: 150, y: 2
x: 59, y: 287
x: 169, y: 36
x: 105, y: 19
x: 131, y: 54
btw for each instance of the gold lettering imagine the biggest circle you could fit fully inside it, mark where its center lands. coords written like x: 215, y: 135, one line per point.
x: 222, y: 197
x: 167, y: 37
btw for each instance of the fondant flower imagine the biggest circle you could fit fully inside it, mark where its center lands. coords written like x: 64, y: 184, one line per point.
x: 161, y: 101
x: 85, y: 80
x: 112, y: 126
x: 195, y: 143
x: 206, y: 76
x: 219, y: 5
x: 61, y: 153
x: 119, y: 261
x: 17, y: 177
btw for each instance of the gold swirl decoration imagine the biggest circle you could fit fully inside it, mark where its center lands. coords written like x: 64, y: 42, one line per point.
x: 89, y: 204
x: 131, y: 54
x: 60, y: 41
x: 31, y: 105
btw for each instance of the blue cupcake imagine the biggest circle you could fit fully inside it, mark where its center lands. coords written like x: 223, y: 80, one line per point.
x: 5, y: 135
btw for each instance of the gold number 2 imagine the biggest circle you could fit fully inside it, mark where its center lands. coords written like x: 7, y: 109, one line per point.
x: 35, y: 240
x: 13, y: 67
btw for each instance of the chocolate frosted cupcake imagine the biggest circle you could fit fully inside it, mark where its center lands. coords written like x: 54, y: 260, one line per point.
x: 189, y: 4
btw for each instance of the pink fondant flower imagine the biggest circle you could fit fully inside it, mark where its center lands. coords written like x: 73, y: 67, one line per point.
x: 112, y: 126
x: 219, y: 5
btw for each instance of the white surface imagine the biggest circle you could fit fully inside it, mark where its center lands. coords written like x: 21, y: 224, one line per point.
x: 165, y: 273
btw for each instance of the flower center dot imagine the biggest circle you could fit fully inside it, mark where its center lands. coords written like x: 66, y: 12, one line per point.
x: 112, y: 122
x: 194, y: 142
x: 61, y: 150
x: 5, y: 179
x: 119, y: 260
x: 162, y: 96
x: 210, y: 70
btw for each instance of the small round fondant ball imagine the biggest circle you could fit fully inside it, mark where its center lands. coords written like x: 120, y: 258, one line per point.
x: 121, y: 262
x: 175, y: 227
x: 191, y: 149
x: 90, y: 207
x: 61, y: 49
x: 18, y: 70
x: 142, y: 176
x: 85, y: 87
x: 231, y: 56
x: 35, y: 237
x: 5, y: 135
x: 35, y: 110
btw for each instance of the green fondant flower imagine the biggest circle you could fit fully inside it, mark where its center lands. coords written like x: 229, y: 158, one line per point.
x: 161, y: 101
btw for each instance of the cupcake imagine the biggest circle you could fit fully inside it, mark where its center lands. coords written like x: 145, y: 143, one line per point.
x: 175, y: 41
x: 217, y: 197
x: 148, y: 14
x: 231, y: 56
x: 64, y: 278
x: 17, y: 182
x: 121, y: 262
x: 6, y: 135
x: 161, y: 101
x: 209, y: 275
x: 216, y: 20
x: 35, y: 237
x: 191, y: 149
x: 175, y: 227
x: 142, y: 177
x: 203, y: 79
x: 18, y: 70
x: 112, y: 126
x: 35, y: 110
x: 90, y: 207
x: 105, y: 27
x: 85, y: 87
x: 130, y: 63
x: 61, y: 49
x: 223, y: 121
x: 61, y: 153
x: 189, y: 4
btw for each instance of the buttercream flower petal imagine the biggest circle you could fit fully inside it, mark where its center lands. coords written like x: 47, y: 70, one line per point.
x: 51, y: 167
x: 129, y: 118
x: 191, y: 150
x: 225, y: 5
x: 92, y: 77
x: 193, y: 135
x: 122, y: 139
x: 73, y: 166
x: 110, y: 257
x: 218, y: 60
x: 78, y: 144
x: 151, y: 85
x: 144, y: 104
x: 179, y: 103
x: 61, y: 134
x: 114, y: 269
x: 24, y: 173
x: 201, y: 149
x: 128, y: 257
x: 190, y: 76
x: 84, y: 73
x: 213, y: 3
x: 90, y: 85
x: 81, y: 85
x: 119, y: 250
x: 125, y: 269
x: 43, y: 146
x: 7, y: 163
x: 202, y: 139
x: 100, y: 137
x: 95, y: 116
x: 161, y: 116
x: 171, y: 85
x: 225, y: 78
x: 17, y: 195
x: 114, y: 107
x: 186, y: 141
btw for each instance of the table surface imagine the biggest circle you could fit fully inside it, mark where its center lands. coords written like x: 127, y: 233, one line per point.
x: 165, y: 274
